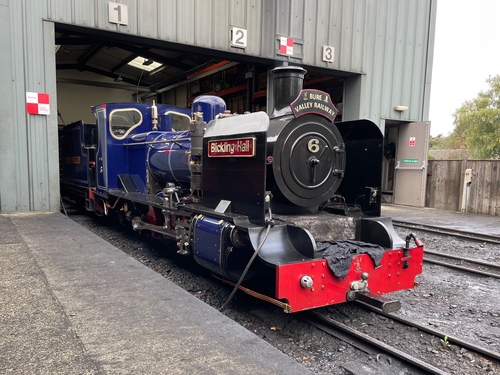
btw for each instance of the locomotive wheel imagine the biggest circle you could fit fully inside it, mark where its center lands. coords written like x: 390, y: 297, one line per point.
x: 309, y: 161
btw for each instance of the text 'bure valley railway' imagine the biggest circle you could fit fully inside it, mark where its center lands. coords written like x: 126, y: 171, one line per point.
x: 286, y: 204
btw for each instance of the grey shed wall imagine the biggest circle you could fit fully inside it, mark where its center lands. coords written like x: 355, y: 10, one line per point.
x: 383, y: 47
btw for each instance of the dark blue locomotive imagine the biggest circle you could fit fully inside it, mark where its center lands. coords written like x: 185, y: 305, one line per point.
x: 286, y: 206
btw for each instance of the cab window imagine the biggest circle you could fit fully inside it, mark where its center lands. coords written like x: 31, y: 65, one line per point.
x: 122, y: 121
x: 179, y: 121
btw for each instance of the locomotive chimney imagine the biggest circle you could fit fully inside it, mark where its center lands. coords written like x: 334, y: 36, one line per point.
x: 287, y: 83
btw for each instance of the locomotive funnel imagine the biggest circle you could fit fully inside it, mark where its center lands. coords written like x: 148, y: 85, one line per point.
x: 287, y: 83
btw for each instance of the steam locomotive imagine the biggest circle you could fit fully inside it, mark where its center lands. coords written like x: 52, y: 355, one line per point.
x: 285, y: 206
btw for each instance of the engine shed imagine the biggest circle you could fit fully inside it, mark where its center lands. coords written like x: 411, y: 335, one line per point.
x: 62, y: 57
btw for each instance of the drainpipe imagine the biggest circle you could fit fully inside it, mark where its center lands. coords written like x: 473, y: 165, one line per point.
x: 466, y: 190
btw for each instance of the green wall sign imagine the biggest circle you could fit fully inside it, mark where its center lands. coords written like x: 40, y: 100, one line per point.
x: 409, y: 161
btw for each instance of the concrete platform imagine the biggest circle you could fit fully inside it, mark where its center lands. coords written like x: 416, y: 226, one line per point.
x: 71, y: 303
x: 483, y: 224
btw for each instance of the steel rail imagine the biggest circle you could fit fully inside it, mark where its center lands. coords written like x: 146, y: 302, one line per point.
x: 451, y: 232
x: 462, y: 268
x: 468, y: 260
x: 473, y: 347
x: 314, y: 318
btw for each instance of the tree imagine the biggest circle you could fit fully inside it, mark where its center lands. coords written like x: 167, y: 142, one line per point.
x: 436, y: 143
x: 477, y: 123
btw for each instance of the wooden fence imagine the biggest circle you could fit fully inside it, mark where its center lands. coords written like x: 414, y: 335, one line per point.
x: 445, y: 186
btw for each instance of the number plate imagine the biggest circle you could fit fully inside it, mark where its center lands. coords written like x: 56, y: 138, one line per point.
x: 238, y: 37
x: 328, y: 53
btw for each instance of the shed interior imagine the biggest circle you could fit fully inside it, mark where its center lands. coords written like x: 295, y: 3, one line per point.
x: 94, y: 66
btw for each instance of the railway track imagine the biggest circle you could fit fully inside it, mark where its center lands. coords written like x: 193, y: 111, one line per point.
x: 477, y: 266
x: 372, y: 346
x: 469, y: 265
x: 364, y: 342
x: 451, y: 339
x: 451, y: 232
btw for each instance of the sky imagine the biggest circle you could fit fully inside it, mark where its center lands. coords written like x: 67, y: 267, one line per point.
x: 466, y: 53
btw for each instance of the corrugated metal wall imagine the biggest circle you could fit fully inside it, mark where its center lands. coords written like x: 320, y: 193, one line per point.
x: 387, y: 44
x: 29, y: 179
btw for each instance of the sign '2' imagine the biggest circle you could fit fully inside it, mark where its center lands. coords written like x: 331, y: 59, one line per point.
x: 238, y: 37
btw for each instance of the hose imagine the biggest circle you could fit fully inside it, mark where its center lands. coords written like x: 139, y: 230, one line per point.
x: 270, y: 224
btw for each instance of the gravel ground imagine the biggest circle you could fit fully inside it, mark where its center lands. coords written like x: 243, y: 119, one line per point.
x: 457, y: 304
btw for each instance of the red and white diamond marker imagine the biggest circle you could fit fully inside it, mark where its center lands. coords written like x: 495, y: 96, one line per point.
x: 37, y: 103
x: 286, y: 46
